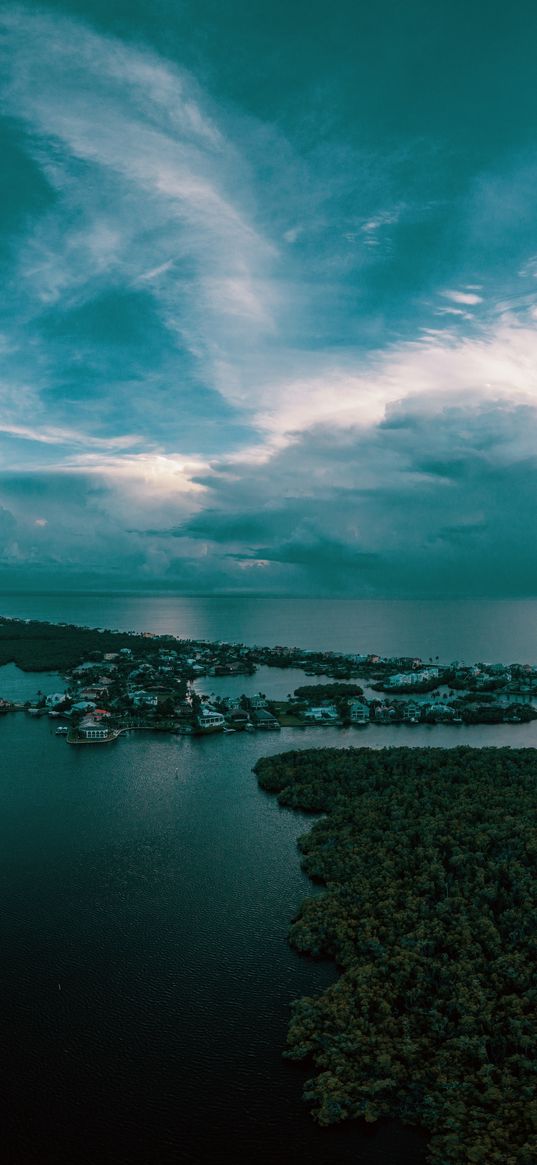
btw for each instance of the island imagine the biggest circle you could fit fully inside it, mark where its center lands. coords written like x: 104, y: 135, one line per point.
x: 428, y: 858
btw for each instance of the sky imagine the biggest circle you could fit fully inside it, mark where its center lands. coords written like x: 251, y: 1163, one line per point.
x: 269, y: 311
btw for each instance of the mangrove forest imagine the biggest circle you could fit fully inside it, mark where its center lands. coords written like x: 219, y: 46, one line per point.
x: 428, y: 860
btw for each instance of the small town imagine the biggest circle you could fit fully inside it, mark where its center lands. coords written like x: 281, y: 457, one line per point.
x: 152, y: 684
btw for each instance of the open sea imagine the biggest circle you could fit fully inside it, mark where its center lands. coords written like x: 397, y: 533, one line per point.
x: 146, y: 889
x: 463, y: 629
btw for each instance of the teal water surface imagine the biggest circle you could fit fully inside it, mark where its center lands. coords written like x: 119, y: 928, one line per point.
x: 145, y: 895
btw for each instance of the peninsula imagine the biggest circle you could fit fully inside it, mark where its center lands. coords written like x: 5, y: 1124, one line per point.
x: 118, y: 680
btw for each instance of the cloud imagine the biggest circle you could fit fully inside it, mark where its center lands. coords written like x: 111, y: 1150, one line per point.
x: 433, y: 500
x: 231, y: 351
x: 468, y: 297
x: 146, y: 192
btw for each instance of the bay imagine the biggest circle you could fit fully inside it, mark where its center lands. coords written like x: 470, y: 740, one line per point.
x: 19, y: 686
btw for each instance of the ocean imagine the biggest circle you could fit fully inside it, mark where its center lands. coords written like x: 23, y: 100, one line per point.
x: 465, y: 629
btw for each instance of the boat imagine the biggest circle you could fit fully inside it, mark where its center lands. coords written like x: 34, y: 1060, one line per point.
x: 62, y: 730
x: 227, y: 731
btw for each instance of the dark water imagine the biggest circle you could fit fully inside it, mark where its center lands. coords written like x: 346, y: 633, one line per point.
x: 145, y: 894
x: 465, y: 629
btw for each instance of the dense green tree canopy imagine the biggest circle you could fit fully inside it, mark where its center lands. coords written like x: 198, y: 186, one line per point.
x: 429, y: 860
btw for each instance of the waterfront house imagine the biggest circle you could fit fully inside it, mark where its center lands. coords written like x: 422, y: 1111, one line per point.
x: 209, y: 720
x: 412, y: 712
x: 91, y: 730
x: 325, y: 713
x: 56, y: 698
x: 238, y: 718
x: 257, y: 701
x: 439, y: 711
x: 264, y: 719
x: 412, y: 679
x: 384, y: 714
x: 358, y: 712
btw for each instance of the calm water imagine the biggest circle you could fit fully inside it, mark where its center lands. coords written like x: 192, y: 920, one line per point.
x: 145, y: 893
x: 146, y: 890
x: 20, y: 685
x: 460, y: 629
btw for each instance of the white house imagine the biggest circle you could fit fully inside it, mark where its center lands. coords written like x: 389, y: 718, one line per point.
x: 410, y: 679
x: 327, y: 713
x: 358, y: 712
x: 56, y: 698
x: 257, y: 701
x: 209, y: 719
x: 93, y: 731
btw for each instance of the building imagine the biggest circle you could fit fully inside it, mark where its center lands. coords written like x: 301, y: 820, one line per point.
x: 411, y: 679
x: 412, y: 713
x: 358, y: 712
x: 56, y: 698
x: 90, y: 730
x: 326, y: 712
x: 264, y: 719
x: 257, y: 701
x: 238, y: 718
x: 145, y: 699
x: 209, y: 720
x: 440, y: 711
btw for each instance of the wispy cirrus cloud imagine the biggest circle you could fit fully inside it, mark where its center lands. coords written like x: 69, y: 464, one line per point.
x: 146, y: 198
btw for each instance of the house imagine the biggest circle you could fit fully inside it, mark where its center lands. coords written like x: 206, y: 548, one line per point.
x: 56, y: 698
x: 257, y: 701
x: 264, y: 719
x: 440, y: 711
x: 412, y: 713
x: 238, y: 718
x: 83, y: 706
x: 94, y: 692
x: 410, y: 679
x: 326, y: 712
x: 91, y: 730
x: 210, y: 720
x: 358, y: 712
x: 145, y: 699
x: 384, y: 714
